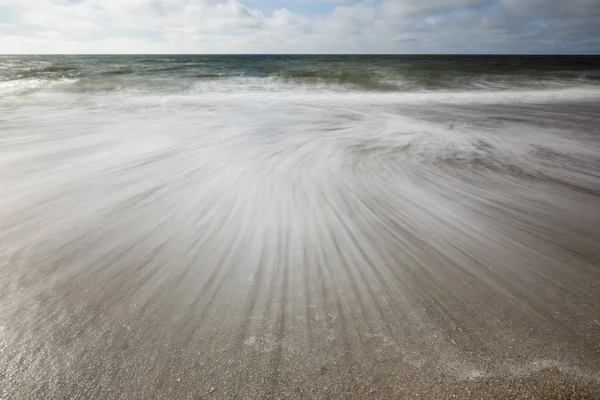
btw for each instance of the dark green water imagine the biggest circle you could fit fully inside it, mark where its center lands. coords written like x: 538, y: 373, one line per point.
x: 173, y: 73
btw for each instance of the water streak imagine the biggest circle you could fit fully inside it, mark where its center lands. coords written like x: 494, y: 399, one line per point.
x: 301, y: 244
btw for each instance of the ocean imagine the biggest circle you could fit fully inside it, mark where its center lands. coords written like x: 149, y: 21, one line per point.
x: 196, y: 226
x: 200, y: 74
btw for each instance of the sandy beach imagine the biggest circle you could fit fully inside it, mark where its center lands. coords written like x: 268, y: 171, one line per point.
x: 310, y: 247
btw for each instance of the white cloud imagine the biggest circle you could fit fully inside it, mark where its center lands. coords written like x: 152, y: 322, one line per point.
x: 230, y: 26
x: 51, y: 35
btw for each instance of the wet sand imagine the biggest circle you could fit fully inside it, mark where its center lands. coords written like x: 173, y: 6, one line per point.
x: 456, y: 259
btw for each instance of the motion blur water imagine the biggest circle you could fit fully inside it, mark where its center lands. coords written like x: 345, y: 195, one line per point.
x: 266, y: 227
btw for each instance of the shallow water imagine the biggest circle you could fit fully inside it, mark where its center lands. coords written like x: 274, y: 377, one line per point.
x: 265, y: 238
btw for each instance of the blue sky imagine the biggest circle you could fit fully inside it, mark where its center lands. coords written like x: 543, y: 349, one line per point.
x: 299, y: 26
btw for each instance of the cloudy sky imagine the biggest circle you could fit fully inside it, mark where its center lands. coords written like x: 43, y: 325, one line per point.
x: 299, y: 26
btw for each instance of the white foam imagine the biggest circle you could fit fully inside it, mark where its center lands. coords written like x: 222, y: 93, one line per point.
x: 340, y: 98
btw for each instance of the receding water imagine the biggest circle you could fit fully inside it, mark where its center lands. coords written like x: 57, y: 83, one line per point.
x: 310, y: 227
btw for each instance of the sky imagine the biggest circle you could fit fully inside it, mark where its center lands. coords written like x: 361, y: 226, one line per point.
x: 299, y: 26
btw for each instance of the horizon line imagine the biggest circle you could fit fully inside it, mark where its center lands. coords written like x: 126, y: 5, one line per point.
x: 300, y: 54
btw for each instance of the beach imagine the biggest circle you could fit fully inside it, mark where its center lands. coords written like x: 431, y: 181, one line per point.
x: 186, y: 230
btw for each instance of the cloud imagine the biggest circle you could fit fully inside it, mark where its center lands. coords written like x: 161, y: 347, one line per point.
x: 296, y: 26
x: 406, y: 8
